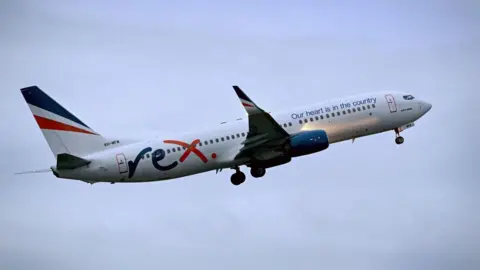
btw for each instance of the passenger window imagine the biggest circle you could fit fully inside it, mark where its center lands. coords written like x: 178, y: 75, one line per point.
x: 199, y: 144
x: 289, y: 124
x: 300, y: 121
x: 217, y: 140
x: 363, y: 107
x: 305, y: 120
x: 327, y: 115
x: 338, y: 113
x: 222, y: 139
x: 373, y: 105
x: 211, y: 141
x: 243, y: 134
x: 311, y: 119
x: 333, y: 114
x: 148, y: 155
x: 344, y: 112
x: 353, y: 110
x: 205, y: 142
x: 368, y: 107
x: 316, y: 118
x: 233, y: 136
x: 228, y: 137
x: 173, y: 150
x: 179, y: 149
x: 349, y: 111
x: 321, y: 117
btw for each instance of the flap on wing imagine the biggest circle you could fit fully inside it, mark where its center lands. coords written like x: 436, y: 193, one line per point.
x: 67, y: 161
x: 254, y: 145
x: 255, y: 139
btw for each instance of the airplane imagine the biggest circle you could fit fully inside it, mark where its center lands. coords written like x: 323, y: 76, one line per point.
x: 260, y: 141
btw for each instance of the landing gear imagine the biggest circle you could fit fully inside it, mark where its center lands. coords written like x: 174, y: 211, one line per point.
x: 257, y: 172
x: 238, y: 177
x: 399, y: 139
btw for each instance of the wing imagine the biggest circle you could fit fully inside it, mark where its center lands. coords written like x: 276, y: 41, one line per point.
x: 265, y: 135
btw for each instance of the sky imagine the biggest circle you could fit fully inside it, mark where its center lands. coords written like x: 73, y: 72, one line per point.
x: 154, y: 68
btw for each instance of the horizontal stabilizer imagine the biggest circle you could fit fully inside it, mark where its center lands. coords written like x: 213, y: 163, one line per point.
x: 34, y: 171
x: 67, y: 161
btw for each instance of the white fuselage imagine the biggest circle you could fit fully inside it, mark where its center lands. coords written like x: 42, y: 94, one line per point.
x: 354, y: 116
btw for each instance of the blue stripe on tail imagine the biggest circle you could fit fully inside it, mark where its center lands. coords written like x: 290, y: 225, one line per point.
x: 35, y: 96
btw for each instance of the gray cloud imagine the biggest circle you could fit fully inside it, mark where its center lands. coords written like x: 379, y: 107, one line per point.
x: 126, y: 69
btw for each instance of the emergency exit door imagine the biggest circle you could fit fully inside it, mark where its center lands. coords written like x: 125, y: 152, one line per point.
x: 122, y: 163
x: 391, y: 103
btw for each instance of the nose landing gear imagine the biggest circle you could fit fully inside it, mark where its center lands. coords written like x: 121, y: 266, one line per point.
x: 399, y: 139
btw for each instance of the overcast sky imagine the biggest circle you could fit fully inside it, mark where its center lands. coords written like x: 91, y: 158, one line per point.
x: 140, y: 68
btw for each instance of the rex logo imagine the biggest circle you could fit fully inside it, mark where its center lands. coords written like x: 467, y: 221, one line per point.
x: 159, y: 154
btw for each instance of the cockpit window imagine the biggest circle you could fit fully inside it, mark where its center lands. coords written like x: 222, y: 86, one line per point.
x: 408, y: 97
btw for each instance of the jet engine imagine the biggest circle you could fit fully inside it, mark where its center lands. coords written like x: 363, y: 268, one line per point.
x: 308, y: 142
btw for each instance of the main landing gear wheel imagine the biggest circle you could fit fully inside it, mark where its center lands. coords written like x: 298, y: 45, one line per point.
x: 237, y: 178
x: 399, y: 139
x: 257, y: 172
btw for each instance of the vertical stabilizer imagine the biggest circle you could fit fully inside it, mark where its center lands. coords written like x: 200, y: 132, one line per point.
x: 64, y: 132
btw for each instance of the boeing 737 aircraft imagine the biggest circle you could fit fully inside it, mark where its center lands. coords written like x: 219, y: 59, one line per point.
x: 260, y: 141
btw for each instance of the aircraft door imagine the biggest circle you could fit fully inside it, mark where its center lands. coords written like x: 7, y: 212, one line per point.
x: 122, y: 163
x: 391, y: 103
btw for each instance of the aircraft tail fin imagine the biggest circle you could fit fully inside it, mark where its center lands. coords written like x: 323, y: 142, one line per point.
x: 63, y: 131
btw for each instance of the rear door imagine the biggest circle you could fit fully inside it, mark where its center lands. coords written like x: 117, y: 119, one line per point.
x: 122, y: 163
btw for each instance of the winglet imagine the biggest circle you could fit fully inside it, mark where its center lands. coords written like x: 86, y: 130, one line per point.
x: 247, y: 103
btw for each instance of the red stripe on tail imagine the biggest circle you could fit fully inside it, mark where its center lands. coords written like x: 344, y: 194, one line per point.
x: 45, y: 123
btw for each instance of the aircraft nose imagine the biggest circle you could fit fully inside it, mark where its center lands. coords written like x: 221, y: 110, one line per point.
x: 425, y: 107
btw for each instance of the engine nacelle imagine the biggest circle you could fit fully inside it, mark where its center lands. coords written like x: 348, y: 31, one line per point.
x: 308, y: 142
